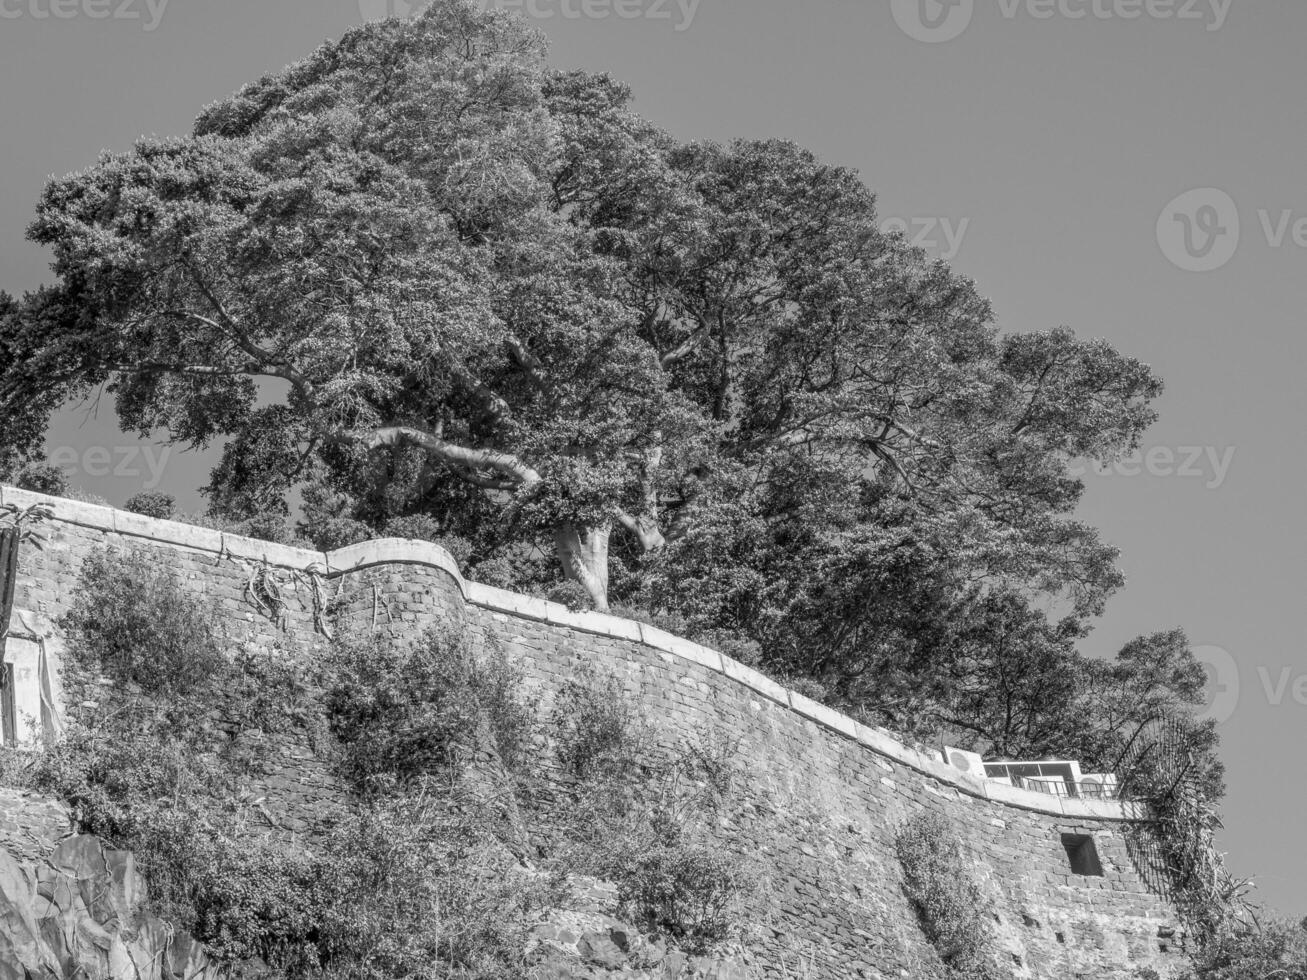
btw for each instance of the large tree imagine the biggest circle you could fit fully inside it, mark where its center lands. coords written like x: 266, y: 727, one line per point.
x: 421, y: 239
x: 436, y: 287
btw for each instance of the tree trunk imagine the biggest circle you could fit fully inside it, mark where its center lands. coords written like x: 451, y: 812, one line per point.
x: 583, y: 553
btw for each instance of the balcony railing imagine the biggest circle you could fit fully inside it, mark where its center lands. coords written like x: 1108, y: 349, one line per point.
x: 1055, y: 786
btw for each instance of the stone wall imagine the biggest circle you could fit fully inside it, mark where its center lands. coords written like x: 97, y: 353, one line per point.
x: 827, y: 794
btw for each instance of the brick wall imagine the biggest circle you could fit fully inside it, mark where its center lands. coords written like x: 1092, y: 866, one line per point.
x: 825, y: 795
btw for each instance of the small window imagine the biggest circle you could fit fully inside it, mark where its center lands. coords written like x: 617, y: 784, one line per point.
x: 1083, y: 855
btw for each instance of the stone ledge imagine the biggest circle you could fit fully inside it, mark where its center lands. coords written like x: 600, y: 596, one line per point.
x: 390, y: 551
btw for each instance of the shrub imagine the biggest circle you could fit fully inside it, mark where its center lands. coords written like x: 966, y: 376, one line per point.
x: 653, y: 827
x: 419, y: 887
x: 687, y: 891
x: 595, y: 726
x: 335, y: 533
x: 404, y: 884
x: 133, y: 622
x: 1274, y: 949
x: 407, y: 711
x: 950, y: 905
x: 733, y: 644
x: 736, y: 645
x: 152, y: 503
x: 42, y: 478
x: 262, y: 527
x: 570, y: 594
x: 424, y: 527
x: 498, y: 571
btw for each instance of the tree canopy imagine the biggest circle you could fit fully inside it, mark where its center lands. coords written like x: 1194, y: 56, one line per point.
x: 438, y: 288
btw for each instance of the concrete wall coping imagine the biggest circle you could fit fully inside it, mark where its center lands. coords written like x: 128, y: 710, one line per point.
x: 396, y: 551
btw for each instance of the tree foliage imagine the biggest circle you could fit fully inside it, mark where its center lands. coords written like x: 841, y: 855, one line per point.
x: 427, y: 283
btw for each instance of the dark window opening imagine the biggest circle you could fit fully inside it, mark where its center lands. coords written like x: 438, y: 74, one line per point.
x: 1083, y: 855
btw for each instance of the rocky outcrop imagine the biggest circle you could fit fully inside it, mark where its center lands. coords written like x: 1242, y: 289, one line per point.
x: 585, y: 941
x: 78, y: 914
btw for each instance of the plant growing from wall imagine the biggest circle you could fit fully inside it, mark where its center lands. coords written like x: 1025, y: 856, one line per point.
x: 951, y: 907
x: 595, y: 726
x: 1170, y: 766
x: 1258, y: 951
x: 406, y: 878
x: 652, y: 825
x: 131, y: 623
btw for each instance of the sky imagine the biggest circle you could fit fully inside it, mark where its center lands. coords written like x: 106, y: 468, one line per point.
x: 1132, y: 169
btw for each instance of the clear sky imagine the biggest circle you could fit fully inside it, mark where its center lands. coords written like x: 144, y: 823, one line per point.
x: 1048, y: 147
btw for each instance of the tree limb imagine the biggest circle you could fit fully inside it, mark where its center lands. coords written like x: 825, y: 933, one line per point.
x: 467, y: 462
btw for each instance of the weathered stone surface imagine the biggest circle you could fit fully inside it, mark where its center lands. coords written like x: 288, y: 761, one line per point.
x: 77, y: 916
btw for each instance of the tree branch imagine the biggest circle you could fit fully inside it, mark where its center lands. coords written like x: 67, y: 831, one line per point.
x: 644, y: 528
x: 468, y: 463
x: 685, y: 348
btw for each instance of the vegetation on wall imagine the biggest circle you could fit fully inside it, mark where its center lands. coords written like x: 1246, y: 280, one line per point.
x: 952, y: 908
x: 1268, y: 951
x: 416, y: 864
x: 655, y: 829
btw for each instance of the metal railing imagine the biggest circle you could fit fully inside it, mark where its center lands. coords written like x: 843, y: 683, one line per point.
x: 1054, y: 786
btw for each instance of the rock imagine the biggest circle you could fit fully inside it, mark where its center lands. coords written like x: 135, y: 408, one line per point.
x: 674, y: 963
x: 22, y: 951
x: 79, y: 915
x: 727, y: 969
x: 598, y: 948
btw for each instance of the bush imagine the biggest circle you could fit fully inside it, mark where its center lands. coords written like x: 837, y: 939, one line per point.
x: 652, y: 827
x: 594, y: 724
x: 42, y: 478
x: 950, y: 905
x: 1276, y: 949
x: 499, y: 572
x: 336, y: 533
x: 686, y: 891
x: 408, y: 711
x: 402, y: 883
x: 132, y: 622
x: 570, y: 594
x: 736, y: 645
x: 152, y: 503
x: 420, y: 888
x: 262, y: 527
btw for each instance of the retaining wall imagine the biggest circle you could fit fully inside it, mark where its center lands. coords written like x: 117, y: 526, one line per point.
x: 826, y: 794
